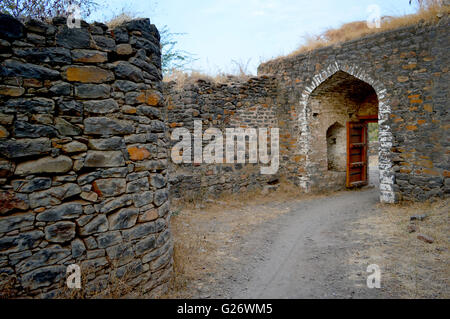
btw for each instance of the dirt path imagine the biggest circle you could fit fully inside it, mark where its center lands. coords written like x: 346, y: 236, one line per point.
x: 304, y: 253
x: 307, y: 251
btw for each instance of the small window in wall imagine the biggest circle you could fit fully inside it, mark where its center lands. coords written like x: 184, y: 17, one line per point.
x: 336, y: 147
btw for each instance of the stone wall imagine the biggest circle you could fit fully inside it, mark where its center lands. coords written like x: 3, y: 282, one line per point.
x: 83, y: 156
x: 408, y: 70
x: 237, y: 103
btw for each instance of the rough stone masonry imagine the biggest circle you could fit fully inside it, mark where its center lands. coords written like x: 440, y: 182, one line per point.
x: 83, y: 156
x: 399, y: 77
x: 84, y: 123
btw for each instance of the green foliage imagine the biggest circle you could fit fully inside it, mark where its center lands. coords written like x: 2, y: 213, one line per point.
x: 373, y: 132
x: 173, y: 58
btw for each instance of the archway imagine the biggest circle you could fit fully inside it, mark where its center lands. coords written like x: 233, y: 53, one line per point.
x: 338, y: 96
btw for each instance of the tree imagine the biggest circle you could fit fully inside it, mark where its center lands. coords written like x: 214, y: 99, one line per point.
x: 172, y: 57
x: 43, y: 9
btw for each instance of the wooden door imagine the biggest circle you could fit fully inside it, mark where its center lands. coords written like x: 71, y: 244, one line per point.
x: 357, y: 161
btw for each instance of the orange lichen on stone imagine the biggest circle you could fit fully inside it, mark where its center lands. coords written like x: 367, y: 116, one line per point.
x: 428, y: 107
x: 88, y: 74
x: 420, y: 122
x: 149, y: 97
x: 411, y: 127
x: 138, y: 154
x: 430, y: 172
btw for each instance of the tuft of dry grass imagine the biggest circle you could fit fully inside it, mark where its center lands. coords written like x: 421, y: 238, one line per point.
x: 120, y: 19
x: 428, y: 12
x: 410, y: 268
x: 181, y: 78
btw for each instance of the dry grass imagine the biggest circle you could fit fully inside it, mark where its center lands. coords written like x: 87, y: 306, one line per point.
x: 410, y: 268
x: 428, y: 12
x: 95, y: 286
x: 182, y: 78
x: 120, y: 19
x: 206, y: 237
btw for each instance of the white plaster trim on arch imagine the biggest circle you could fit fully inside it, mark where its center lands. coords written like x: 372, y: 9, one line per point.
x: 387, y: 180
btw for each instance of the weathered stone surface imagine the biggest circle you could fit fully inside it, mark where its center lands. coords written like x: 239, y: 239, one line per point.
x: 54, y: 195
x: 107, y: 126
x: 138, y: 153
x: 76, y: 38
x: 64, y: 211
x: 156, y: 253
x: 92, y: 91
x: 21, y: 242
x: 127, y: 71
x: 12, y: 201
x: 149, y: 46
x: 34, y: 105
x: 116, y: 203
x: 98, y: 225
x: 104, y: 159
x: 27, y: 70
x: 60, y: 232
x: 146, y: 244
x: 161, y: 196
x: 120, y: 34
x: 122, y: 253
x: 11, y: 223
x: 142, y: 199
x: 89, y: 56
x: 10, y: 28
x: 148, y: 216
x: 102, y: 106
x: 107, y: 144
x: 161, y: 261
x: 149, y: 111
x: 124, y: 218
x: 30, y: 186
x: 109, y: 187
x: 158, y: 181
x: 36, y: 26
x: 152, y: 71
x: 142, y: 230
x: 45, y: 55
x: 61, y: 88
x: 60, y: 164
x: 125, y: 86
x: 11, y: 90
x: 24, y: 129
x: 70, y: 107
x: 65, y: 128
x: 124, y: 49
x: 87, y: 74
x: 24, y: 147
x: 43, y: 277
x: 109, y: 239
x: 138, y: 185
x: 74, y: 147
x: 104, y: 43
x: 49, y: 255
x: 78, y: 248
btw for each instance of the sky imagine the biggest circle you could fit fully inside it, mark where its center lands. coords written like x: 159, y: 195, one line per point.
x: 224, y: 33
